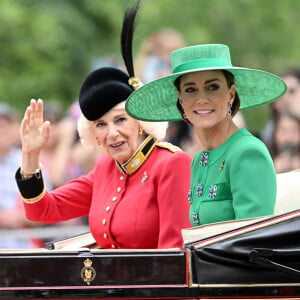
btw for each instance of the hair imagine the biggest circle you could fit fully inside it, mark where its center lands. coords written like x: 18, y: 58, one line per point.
x: 292, y: 71
x: 274, y: 147
x: 86, y: 133
x: 230, y: 81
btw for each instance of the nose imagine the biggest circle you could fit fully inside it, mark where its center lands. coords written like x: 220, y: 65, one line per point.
x: 113, y: 131
x: 200, y: 97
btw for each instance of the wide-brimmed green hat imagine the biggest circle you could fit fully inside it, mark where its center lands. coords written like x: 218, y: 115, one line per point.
x: 156, y: 100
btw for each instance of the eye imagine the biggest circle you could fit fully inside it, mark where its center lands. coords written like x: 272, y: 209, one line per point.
x: 121, y: 120
x: 100, y: 124
x: 213, y: 87
x: 190, y: 89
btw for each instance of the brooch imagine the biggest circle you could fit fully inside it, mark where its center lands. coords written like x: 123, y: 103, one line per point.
x: 145, y: 177
x: 222, y: 166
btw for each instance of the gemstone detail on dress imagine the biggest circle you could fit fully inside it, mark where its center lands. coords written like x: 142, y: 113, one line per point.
x: 195, y: 219
x: 213, y: 191
x: 203, y: 159
x: 190, y: 196
x: 200, y: 187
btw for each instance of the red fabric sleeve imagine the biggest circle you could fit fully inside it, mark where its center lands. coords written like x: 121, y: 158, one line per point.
x: 173, y: 200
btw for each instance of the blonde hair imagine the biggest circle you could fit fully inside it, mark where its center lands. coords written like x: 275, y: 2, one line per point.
x: 86, y: 131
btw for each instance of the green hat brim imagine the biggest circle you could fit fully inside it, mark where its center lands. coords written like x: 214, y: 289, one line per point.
x: 156, y: 100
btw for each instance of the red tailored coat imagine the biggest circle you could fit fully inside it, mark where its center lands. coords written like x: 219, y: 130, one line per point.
x: 144, y: 210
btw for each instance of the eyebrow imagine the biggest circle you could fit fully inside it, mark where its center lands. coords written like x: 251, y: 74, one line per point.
x: 206, y: 82
x: 115, y: 117
x: 119, y: 115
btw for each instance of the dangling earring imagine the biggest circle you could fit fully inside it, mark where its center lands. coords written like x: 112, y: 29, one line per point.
x: 229, y: 108
x: 181, y: 110
x: 141, y: 130
x: 98, y: 142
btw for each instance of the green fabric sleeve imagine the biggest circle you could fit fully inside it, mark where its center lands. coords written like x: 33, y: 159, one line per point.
x: 253, y: 181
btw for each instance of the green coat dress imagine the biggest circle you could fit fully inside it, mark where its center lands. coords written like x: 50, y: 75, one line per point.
x: 237, y: 180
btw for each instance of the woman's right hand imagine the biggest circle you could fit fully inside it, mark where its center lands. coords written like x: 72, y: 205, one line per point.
x: 34, y: 133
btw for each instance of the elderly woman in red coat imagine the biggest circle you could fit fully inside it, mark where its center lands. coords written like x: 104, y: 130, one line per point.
x: 137, y: 194
x: 135, y: 197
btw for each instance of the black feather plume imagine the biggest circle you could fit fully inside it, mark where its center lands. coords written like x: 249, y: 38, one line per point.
x: 128, y: 28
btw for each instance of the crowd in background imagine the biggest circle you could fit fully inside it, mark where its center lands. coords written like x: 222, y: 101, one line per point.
x: 66, y: 158
x: 63, y: 159
x: 282, y: 132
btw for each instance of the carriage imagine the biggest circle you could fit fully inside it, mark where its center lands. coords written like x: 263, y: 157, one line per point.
x: 257, y: 258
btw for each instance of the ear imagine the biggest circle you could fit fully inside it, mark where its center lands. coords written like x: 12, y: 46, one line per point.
x: 179, y: 97
x: 232, y: 92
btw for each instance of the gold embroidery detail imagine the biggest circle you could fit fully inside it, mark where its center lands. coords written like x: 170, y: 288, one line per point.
x: 169, y: 146
x: 137, y: 160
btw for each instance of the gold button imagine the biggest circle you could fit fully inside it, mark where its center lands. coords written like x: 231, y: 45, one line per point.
x: 105, y: 235
x: 107, y: 208
x: 104, y: 221
x: 122, y: 177
x: 119, y: 189
x: 114, y: 198
x: 113, y: 246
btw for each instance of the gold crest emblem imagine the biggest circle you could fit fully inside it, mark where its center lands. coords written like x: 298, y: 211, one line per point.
x: 88, y: 273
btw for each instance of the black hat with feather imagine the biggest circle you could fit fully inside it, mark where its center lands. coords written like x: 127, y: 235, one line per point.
x: 106, y: 87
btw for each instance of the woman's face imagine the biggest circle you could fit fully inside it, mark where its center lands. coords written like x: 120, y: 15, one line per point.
x: 287, y: 133
x: 204, y: 97
x: 291, y: 98
x: 118, y: 134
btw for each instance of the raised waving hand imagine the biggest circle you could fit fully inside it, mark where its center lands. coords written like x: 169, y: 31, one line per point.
x: 34, y: 134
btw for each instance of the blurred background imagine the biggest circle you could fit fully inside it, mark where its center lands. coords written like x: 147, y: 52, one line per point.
x: 48, y: 47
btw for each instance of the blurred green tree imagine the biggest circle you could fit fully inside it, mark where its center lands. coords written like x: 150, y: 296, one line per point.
x: 48, y: 47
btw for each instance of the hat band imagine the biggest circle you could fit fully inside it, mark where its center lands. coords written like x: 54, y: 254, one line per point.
x: 202, y: 63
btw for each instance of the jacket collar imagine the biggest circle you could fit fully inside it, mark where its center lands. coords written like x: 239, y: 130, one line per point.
x: 139, y: 157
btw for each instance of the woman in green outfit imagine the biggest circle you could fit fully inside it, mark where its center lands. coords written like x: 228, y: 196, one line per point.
x: 233, y: 176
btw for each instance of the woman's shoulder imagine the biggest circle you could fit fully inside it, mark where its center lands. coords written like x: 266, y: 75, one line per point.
x: 169, y: 146
x: 248, y: 147
x: 167, y: 152
x: 169, y: 158
x: 244, y: 139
